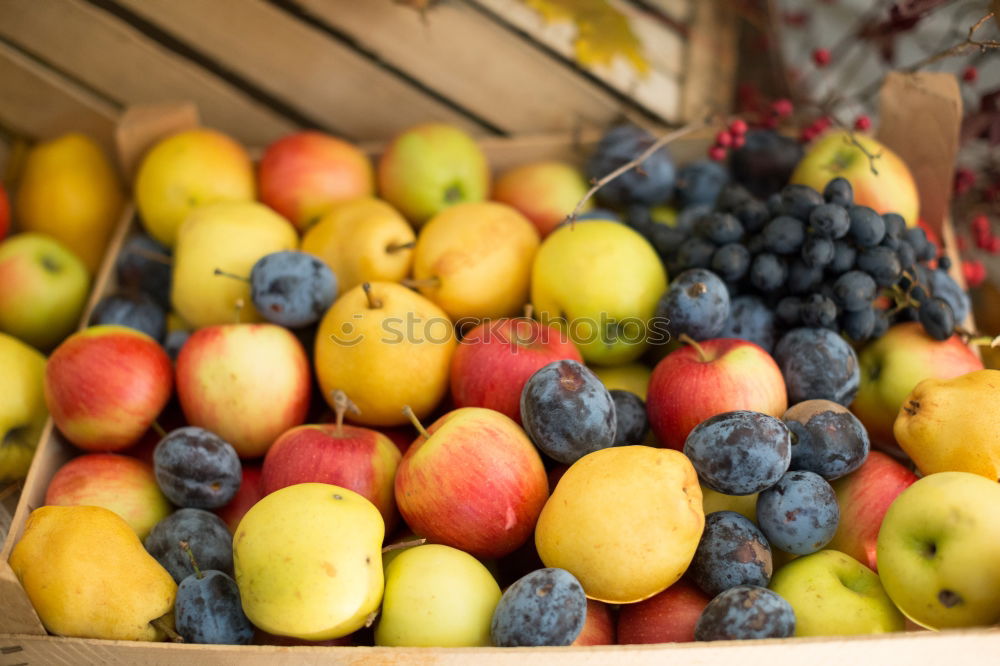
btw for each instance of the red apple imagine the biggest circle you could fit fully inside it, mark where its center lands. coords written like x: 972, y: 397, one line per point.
x: 544, y: 192
x: 668, y: 617
x: 247, y: 383
x: 105, y: 385
x: 703, y: 379
x: 303, y: 175
x: 599, y: 627
x: 359, y: 459
x: 4, y: 212
x: 473, y: 481
x: 496, y: 358
x: 250, y: 493
x: 893, y: 365
x: 864, y: 496
x: 115, y: 482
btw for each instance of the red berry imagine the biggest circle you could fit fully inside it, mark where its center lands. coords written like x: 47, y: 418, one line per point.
x: 962, y: 244
x: 717, y: 153
x: 737, y: 126
x: 862, y: 123
x: 974, y: 272
x: 981, y: 225
x: 970, y: 74
x: 724, y: 139
x: 821, y: 124
x: 807, y: 135
x: 783, y: 107
x: 821, y: 57
x: 964, y: 180
x: 993, y: 247
x: 769, y: 123
x: 739, y: 140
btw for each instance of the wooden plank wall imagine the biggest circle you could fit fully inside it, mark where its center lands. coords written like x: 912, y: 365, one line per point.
x: 259, y: 69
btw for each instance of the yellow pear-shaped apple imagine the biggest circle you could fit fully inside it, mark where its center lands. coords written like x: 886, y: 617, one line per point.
x: 600, y: 280
x: 437, y: 596
x: 88, y: 575
x: 229, y: 237
x: 22, y: 410
x: 624, y: 520
x: 308, y: 561
x: 187, y: 170
x: 387, y: 347
x: 476, y: 259
x: 363, y: 240
x: 70, y: 191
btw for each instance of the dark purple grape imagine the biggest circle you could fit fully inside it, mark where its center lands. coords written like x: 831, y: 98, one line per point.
x: 739, y: 452
x: 774, y: 205
x: 922, y: 247
x: 854, y: 290
x: 895, y: 225
x: 700, y: 182
x: 567, y: 411
x: 547, y: 607
x: 755, y: 244
x: 208, y: 610
x: 867, y: 226
x: 599, y: 214
x: 906, y: 255
x: 695, y: 252
x: 719, y: 228
x: 631, y: 422
x: 134, y: 310
x: 817, y: 363
x: 687, y: 218
x: 937, y: 318
x: 745, y: 612
x: 803, y: 278
x: 784, y: 235
x: 919, y: 294
x: 651, y: 184
x: 665, y: 239
x: 207, y: 534
x: 143, y: 264
x: 732, y: 196
x: 882, y: 324
x: 731, y: 261
x: 944, y: 262
x: 767, y: 272
x: 882, y: 264
x: 819, y: 311
x: 292, y: 288
x: 753, y: 215
x: 859, y: 325
x: 789, y: 310
x: 750, y: 319
x: 829, y: 221
x: 731, y: 552
x: 817, y: 251
x: 798, y: 201
x: 197, y: 468
x: 696, y: 303
x: 944, y: 287
x: 826, y: 438
x: 844, y: 256
x: 839, y: 191
x: 765, y: 162
x: 798, y: 514
x: 890, y: 242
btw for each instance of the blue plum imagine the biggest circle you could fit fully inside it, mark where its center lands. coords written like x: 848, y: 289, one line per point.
x: 700, y: 182
x: 817, y: 364
x: 135, y: 310
x: 765, y: 161
x: 826, y: 438
x: 751, y: 319
x: 732, y: 552
x: 207, y: 534
x: 799, y: 514
x: 208, y: 610
x: 545, y: 607
x: 696, y: 304
x: 652, y: 183
x: 739, y: 452
x: 292, y: 288
x: 197, y: 468
x: 745, y: 612
x: 631, y: 422
x: 143, y: 264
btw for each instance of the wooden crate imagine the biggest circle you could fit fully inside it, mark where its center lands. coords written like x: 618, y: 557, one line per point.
x: 259, y: 69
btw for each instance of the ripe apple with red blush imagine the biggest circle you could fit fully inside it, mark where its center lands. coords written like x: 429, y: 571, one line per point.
x: 250, y: 492
x: 668, y: 617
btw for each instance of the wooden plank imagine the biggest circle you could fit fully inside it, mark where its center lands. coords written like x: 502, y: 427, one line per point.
x: 319, y: 76
x: 111, y: 56
x: 679, y: 10
x: 711, y: 65
x: 465, y: 55
x: 658, y: 91
x: 38, y: 102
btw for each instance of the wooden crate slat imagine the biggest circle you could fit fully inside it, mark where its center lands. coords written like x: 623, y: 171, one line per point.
x: 679, y: 10
x: 658, y: 91
x: 113, y: 57
x: 40, y: 103
x: 328, y: 81
x: 711, y: 65
x: 467, y: 56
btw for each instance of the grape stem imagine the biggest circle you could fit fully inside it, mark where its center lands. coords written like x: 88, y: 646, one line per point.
x: 635, y: 163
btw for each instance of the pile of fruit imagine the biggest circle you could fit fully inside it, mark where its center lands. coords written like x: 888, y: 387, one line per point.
x: 455, y: 415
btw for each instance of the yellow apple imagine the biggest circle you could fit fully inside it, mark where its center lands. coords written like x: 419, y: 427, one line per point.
x: 477, y: 257
x: 231, y: 237
x: 187, y: 170
x: 363, y: 240
x: 632, y: 377
x: 22, y: 410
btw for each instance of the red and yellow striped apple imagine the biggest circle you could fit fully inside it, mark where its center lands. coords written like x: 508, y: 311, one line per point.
x: 668, y: 617
x: 249, y: 493
x: 545, y: 192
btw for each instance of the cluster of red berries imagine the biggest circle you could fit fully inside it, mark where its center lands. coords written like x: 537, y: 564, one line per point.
x: 964, y: 180
x: 974, y: 272
x: 983, y: 235
x: 734, y: 136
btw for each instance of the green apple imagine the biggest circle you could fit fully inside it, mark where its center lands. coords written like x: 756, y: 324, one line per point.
x: 22, y: 410
x: 437, y: 596
x: 939, y: 551
x: 43, y: 288
x: 833, y: 594
x: 600, y: 281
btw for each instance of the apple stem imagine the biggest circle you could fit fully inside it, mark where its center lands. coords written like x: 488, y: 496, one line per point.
x: 415, y: 421
x: 403, y: 544
x: 529, y: 311
x: 219, y: 271
x: 152, y: 255
x: 421, y: 283
x: 373, y: 302
x: 397, y: 247
x: 186, y: 547
x: 165, y: 627
x: 158, y: 429
x: 370, y: 618
x: 240, y: 304
x: 688, y: 340
x: 341, y: 405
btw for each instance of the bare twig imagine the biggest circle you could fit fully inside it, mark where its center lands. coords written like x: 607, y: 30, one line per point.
x: 959, y: 48
x: 635, y: 163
